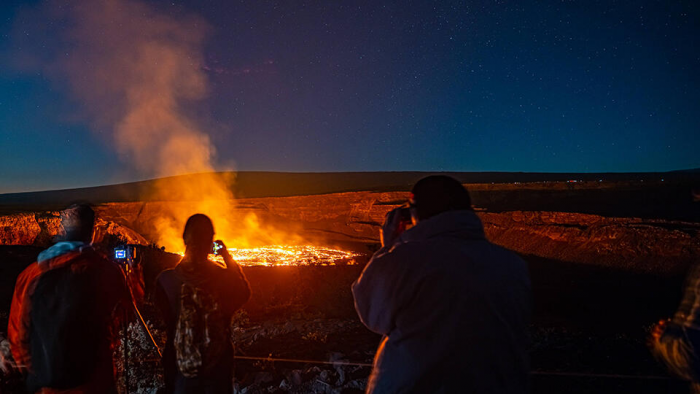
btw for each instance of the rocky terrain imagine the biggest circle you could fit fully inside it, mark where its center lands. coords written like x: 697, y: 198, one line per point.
x: 41, y: 228
x: 353, y: 219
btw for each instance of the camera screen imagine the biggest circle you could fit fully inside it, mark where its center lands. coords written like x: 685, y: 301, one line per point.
x: 120, y: 253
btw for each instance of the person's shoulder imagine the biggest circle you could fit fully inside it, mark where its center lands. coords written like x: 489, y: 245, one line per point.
x: 93, y: 256
x: 420, y: 246
x: 506, y: 253
x: 401, y: 253
x: 410, y: 247
x: 32, y: 271
x: 166, y: 274
x: 167, y: 277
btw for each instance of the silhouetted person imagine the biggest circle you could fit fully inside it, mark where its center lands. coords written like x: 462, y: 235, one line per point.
x: 453, y: 308
x: 676, y: 342
x: 65, y: 310
x: 197, y: 299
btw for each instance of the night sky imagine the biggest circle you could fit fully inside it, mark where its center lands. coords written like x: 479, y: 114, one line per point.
x: 548, y: 86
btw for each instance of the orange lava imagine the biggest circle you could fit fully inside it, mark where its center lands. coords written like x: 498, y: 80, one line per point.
x: 289, y: 255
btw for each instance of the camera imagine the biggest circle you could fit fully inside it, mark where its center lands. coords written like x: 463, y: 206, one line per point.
x: 129, y: 258
x: 120, y: 253
x: 124, y: 253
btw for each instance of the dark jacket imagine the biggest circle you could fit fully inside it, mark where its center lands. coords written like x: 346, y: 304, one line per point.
x: 231, y: 290
x: 453, y: 308
x: 97, y: 315
x: 679, y: 345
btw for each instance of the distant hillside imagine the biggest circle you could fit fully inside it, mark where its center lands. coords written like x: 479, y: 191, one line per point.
x: 280, y: 184
x: 688, y: 171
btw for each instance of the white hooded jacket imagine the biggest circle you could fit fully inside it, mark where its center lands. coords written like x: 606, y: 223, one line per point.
x: 453, y: 308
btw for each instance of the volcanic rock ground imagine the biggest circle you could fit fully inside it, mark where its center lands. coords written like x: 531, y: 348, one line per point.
x: 599, y: 282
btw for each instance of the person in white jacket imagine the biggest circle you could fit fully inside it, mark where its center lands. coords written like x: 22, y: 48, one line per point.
x: 453, y: 308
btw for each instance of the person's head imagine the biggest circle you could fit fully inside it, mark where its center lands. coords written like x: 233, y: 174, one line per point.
x: 198, y: 234
x: 436, y: 194
x: 77, y: 221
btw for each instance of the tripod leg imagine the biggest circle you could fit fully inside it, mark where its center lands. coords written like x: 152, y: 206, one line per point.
x: 145, y: 327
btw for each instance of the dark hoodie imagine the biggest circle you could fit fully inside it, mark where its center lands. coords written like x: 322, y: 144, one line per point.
x: 231, y: 290
x: 97, y: 316
x: 453, y: 308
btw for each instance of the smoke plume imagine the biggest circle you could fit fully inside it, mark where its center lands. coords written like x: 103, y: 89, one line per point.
x: 137, y: 72
x: 134, y: 71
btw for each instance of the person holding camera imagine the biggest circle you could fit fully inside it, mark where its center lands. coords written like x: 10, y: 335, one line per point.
x: 65, y: 310
x: 453, y: 308
x: 197, y: 300
x: 675, y: 342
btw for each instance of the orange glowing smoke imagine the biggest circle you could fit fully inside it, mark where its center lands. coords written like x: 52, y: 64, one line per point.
x: 139, y: 74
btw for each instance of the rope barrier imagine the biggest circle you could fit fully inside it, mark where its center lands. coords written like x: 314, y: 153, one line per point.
x: 295, y: 360
x: 539, y: 373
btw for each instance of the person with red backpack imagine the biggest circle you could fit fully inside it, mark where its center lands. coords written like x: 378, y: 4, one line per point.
x: 65, y: 311
x: 197, y: 300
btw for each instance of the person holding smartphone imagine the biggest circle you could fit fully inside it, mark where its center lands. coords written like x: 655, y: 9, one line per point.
x: 197, y: 300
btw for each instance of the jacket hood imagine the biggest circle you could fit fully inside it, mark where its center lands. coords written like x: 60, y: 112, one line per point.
x: 461, y: 224
x: 59, y: 249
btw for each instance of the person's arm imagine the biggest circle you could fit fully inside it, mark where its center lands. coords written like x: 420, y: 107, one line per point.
x: 377, y: 292
x: 18, y: 324
x: 381, y: 290
x: 236, y: 280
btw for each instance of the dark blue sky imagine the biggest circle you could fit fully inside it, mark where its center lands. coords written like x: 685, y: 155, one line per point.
x: 554, y: 86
